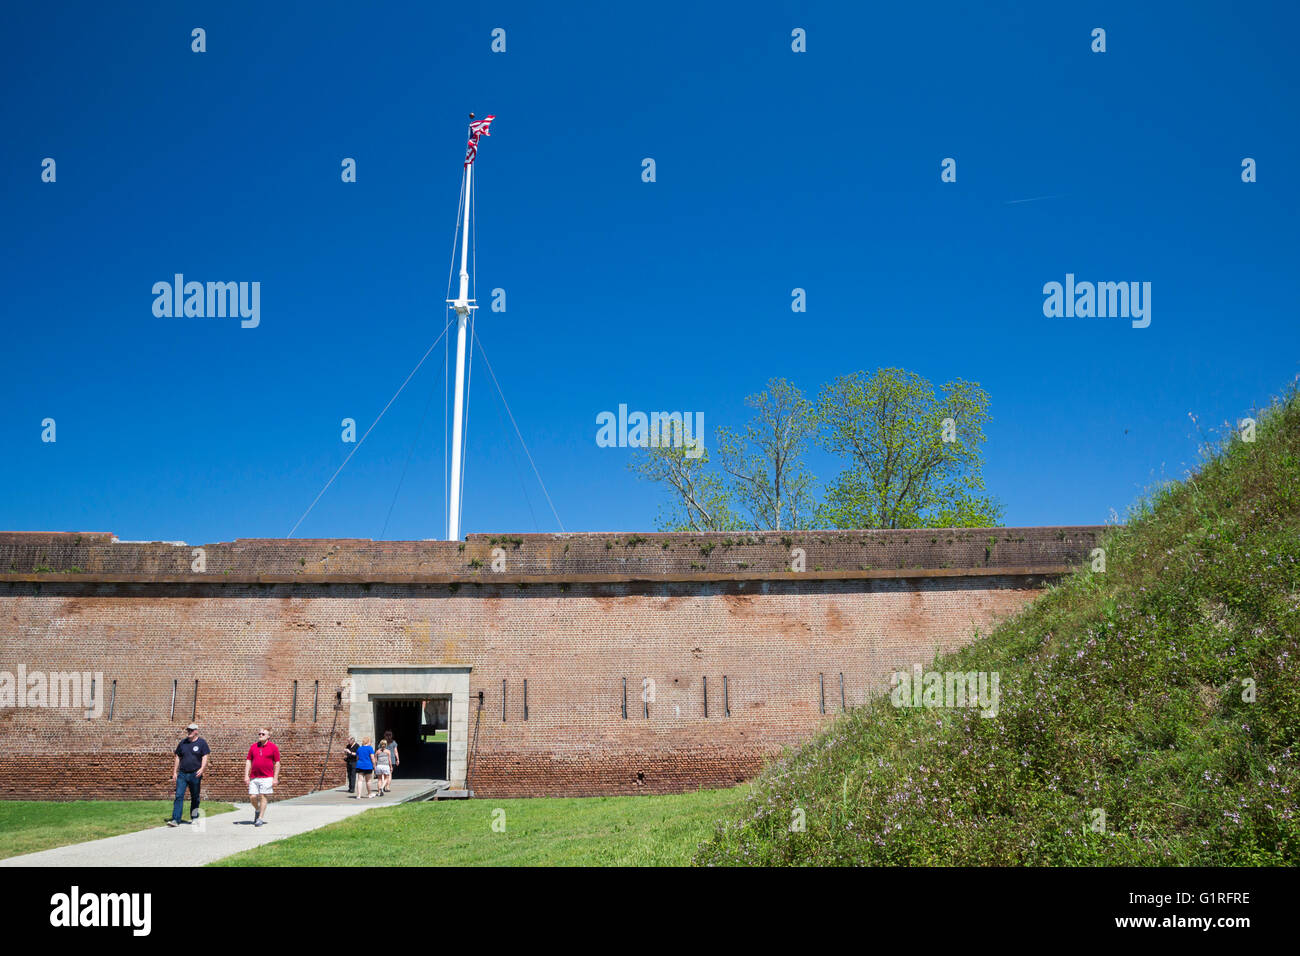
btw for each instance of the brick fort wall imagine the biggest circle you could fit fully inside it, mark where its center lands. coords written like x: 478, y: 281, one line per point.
x: 780, y: 617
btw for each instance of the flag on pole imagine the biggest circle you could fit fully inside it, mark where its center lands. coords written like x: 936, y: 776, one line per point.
x: 477, y: 128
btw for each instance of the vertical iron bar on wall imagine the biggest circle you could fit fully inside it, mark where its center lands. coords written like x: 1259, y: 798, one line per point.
x: 503, y: 700
x: 726, y: 698
x: 194, y: 710
x: 525, y: 698
x: 842, y: 707
x: 293, y: 708
x: 172, y: 715
x: 112, y: 701
x: 625, y: 698
x: 315, y: 701
x: 645, y: 701
x: 706, y: 697
x: 821, y: 683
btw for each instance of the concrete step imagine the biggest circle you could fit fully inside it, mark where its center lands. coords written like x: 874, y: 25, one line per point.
x: 428, y: 791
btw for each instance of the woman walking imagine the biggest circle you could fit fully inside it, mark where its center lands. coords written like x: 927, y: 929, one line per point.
x: 383, y: 768
x: 365, y: 766
x: 397, y: 760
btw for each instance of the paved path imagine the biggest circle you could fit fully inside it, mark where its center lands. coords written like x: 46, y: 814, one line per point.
x: 221, y: 834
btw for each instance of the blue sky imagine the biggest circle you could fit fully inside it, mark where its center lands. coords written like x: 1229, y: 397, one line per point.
x: 775, y: 170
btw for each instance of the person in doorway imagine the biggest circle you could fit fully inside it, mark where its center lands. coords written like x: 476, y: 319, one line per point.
x: 365, y: 765
x: 383, y: 768
x: 392, y: 749
x: 261, y: 773
x: 187, y: 772
x: 350, y: 761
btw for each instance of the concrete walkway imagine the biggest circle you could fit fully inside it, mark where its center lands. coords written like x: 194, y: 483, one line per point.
x: 222, y: 834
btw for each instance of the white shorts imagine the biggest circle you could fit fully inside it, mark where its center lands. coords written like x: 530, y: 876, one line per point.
x: 260, y: 785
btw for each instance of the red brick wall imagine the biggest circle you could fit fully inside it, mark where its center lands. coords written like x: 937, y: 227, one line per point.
x: 137, y: 614
x: 246, y: 644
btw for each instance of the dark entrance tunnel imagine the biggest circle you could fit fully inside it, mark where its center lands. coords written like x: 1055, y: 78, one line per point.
x: 415, y: 725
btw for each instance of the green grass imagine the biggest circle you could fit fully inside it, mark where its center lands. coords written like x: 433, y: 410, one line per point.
x: 1121, y: 692
x: 588, y: 831
x: 29, y: 825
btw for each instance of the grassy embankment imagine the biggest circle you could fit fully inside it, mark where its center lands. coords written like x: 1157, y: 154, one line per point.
x: 1163, y: 693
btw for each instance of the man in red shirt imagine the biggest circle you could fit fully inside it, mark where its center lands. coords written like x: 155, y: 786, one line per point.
x: 261, y: 773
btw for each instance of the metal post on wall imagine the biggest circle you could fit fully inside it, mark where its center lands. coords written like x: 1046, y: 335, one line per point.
x: 194, y: 710
x: 726, y: 698
x: 172, y: 715
x: 473, y: 745
x: 706, y: 697
x: 821, y: 683
x: 293, y: 708
x: 503, y: 700
x: 112, y: 701
x: 842, y: 707
x: 625, y: 698
x: 525, y: 698
x: 315, y: 702
x: 329, y: 744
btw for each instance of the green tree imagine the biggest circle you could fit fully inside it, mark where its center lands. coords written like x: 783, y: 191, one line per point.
x: 700, y: 501
x: 764, y: 461
x: 915, y: 458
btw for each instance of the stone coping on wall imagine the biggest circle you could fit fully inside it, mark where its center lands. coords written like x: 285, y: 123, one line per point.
x: 587, y: 557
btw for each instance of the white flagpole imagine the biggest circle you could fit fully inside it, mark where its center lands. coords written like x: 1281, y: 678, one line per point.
x: 463, y: 307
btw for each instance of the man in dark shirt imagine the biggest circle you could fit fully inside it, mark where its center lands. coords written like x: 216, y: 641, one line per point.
x: 187, y: 771
x: 350, y: 761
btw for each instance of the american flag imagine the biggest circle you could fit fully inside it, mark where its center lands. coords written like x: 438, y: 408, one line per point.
x: 477, y: 128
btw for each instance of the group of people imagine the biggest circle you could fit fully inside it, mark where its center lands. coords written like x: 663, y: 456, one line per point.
x: 369, y: 763
x: 261, y: 773
x: 262, y: 770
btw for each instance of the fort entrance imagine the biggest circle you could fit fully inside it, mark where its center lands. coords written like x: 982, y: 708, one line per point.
x: 420, y: 727
x: 426, y: 708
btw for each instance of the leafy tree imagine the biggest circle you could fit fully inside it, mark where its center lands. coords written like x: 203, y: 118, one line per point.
x: 768, y: 481
x: 902, y: 472
x: 700, y: 501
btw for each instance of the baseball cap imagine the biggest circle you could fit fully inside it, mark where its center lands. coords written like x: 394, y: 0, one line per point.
x: 192, y: 727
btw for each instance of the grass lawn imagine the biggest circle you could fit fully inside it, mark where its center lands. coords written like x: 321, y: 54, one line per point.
x: 582, y: 831
x: 32, y: 825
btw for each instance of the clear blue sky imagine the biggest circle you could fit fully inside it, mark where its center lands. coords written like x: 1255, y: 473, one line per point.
x: 775, y: 170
